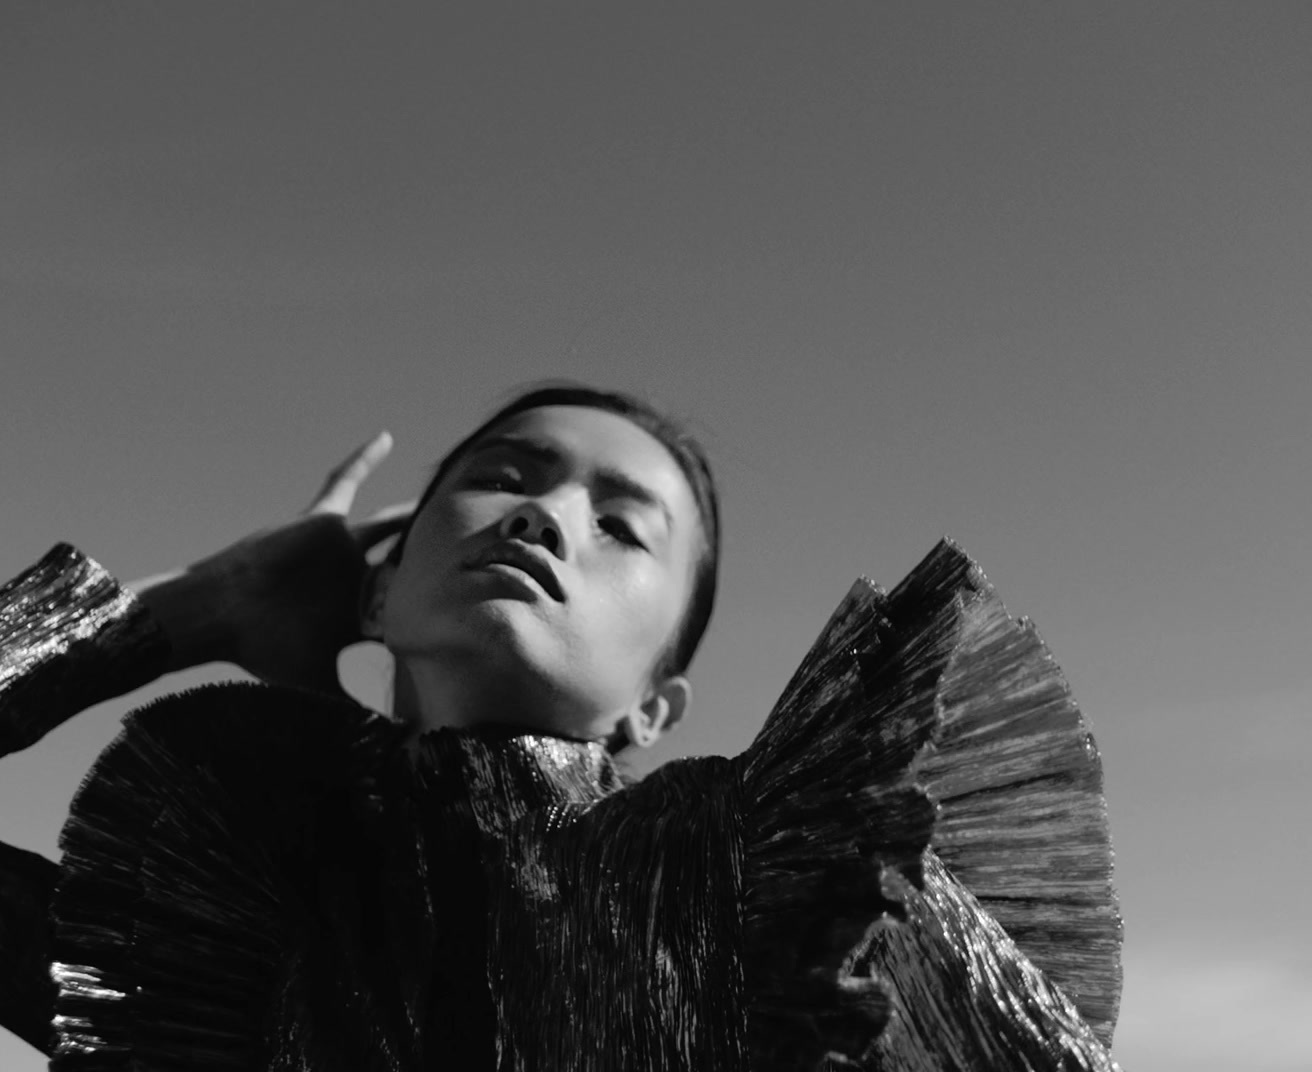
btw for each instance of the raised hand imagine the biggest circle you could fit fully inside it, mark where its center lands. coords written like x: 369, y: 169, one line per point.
x: 283, y: 602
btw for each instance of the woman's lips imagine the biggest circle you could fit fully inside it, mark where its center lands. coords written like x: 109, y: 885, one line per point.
x: 524, y: 558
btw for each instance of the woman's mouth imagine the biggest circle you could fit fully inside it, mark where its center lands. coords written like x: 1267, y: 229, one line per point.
x: 522, y: 558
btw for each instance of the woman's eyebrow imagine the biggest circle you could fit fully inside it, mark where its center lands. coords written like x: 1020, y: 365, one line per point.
x: 538, y: 451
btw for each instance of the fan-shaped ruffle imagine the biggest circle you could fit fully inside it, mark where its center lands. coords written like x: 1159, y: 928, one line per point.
x: 1023, y: 893
x: 173, y: 911
x: 937, y: 681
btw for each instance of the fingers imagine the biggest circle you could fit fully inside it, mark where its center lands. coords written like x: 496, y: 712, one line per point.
x: 339, y: 489
x: 386, y: 522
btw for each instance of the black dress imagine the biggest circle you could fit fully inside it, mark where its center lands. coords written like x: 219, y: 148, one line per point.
x: 907, y: 870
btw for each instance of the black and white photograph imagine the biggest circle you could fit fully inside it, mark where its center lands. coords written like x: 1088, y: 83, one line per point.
x: 589, y: 537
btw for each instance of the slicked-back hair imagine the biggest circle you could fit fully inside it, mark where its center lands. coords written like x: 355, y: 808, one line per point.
x: 692, y: 462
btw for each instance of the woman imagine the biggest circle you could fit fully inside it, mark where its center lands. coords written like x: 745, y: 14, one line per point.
x: 267, y: 876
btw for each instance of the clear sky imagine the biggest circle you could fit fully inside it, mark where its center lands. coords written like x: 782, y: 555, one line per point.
x: 1037, y: 276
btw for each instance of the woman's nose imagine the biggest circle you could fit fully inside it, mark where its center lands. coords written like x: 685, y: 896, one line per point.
x: 534, y: 522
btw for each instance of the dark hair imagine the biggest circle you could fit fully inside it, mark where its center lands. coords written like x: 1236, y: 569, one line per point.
x: 685, y: 450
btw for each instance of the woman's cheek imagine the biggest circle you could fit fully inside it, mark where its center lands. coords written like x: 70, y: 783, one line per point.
x: 652, y: 603
x: 458, y: 517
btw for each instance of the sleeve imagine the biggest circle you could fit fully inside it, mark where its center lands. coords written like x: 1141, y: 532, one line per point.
x: 998, y: 946
x: 70, y: 636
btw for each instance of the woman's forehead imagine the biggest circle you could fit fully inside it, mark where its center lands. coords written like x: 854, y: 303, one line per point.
x: 588, y: 436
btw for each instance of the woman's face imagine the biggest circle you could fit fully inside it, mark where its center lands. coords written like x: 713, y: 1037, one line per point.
x: 555, y: 560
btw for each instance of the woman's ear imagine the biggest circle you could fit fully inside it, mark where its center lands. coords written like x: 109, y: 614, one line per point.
x: 373, y: 597
x: 659, y: 712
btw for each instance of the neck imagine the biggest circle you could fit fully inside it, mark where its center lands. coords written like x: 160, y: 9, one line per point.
x: 431, y: 694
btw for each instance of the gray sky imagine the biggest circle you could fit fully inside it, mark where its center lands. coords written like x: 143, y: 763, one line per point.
x: 1034, y: 276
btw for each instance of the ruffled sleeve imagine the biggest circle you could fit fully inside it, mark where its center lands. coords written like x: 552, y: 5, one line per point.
x: 197, y: 855
x: 999, y: 946
x: 70, y: 637
x: 1010, y: 957
x: 834, y: 826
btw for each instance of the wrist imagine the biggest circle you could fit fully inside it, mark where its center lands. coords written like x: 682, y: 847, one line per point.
x: 188, y: 608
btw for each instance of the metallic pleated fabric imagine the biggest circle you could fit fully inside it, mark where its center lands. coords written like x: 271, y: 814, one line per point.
x: 1022, y: 821
x: 908, y: 869
x: 70, y: 637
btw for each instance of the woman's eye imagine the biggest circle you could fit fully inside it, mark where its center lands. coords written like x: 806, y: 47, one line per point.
x: 499, y: 481
x: 620, y: 529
